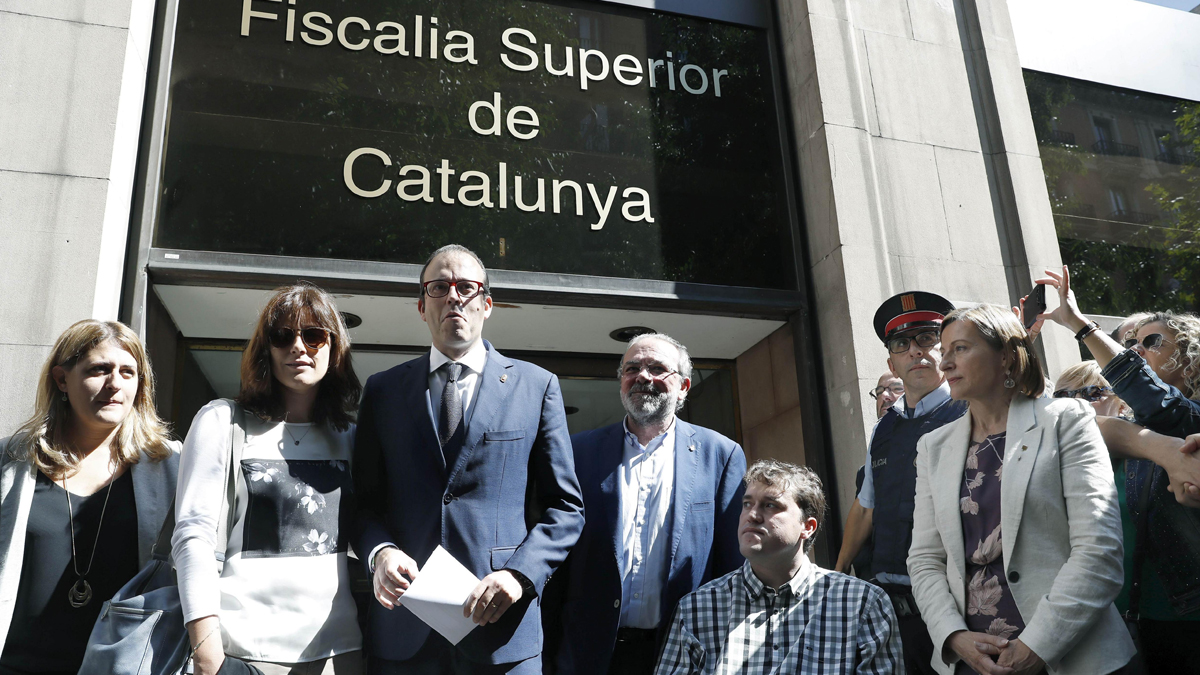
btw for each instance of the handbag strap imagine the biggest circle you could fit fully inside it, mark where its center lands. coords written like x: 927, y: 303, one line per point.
x: 1139, y: 545
x: 237, y: 441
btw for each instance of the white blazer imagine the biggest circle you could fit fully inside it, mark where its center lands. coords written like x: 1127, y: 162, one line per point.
x: 153, y: 490
x: 1061, y: 534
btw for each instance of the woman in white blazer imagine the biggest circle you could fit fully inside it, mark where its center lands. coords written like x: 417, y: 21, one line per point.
x: 1016, y: 552
x: 84, y: 488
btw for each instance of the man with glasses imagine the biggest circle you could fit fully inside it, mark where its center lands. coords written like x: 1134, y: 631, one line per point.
x: 465, y: 449
x: 909, y: 324
x: 662, y: 502
x: 887, y: 391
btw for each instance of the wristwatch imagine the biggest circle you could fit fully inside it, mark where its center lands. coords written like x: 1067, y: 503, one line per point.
x: 1087, y: 330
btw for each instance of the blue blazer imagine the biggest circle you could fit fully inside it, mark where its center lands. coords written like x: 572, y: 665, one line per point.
x: 510, y: 501
x: 706, y: 503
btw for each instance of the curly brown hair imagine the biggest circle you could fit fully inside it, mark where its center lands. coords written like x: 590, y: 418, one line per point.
x: 1185, y: 329
x: 302, y: 304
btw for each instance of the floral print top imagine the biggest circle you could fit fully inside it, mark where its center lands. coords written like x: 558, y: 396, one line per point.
x: 990, y: 605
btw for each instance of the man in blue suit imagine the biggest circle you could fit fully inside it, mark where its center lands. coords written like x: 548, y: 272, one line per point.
x: 469, y: 450
x: 663, y: 499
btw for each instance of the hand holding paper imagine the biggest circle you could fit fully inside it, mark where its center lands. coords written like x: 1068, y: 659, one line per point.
x: 438, y: 594
x: 492, y: 597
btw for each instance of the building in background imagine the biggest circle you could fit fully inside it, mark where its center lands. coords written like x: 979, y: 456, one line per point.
x: 753, y: 177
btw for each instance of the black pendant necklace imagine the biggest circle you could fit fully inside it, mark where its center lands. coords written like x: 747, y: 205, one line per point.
x: 80, y: 593
x: 302, y: 436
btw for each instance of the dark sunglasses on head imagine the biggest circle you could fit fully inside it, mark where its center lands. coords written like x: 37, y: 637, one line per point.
x: 924, y: 340
x: 1090, y: 393
x: 440, y: 288
x: 314, y: 337
x: 1151, y: 341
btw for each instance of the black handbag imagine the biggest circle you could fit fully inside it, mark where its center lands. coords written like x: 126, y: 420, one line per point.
x: 140, y: 631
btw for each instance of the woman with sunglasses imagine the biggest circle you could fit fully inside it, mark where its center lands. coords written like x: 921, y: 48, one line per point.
x: 1156, y: 371
x: 85, y: 485
x: 281, y: 602
x: 1165, y: 633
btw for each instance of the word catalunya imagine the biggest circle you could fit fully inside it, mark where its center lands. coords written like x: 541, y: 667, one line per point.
x: 474, y: 189
x: 521, y: 50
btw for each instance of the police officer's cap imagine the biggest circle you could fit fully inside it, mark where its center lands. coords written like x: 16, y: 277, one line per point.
x: 906, y: 311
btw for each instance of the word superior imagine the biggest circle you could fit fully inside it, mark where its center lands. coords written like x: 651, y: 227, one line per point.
x: 423, y: 38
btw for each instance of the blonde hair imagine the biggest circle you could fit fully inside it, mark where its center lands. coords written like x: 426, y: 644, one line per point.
x: 43, y: 439
x: 1001, y: 330
x: 1185, y: 329
x: 1083, y: 374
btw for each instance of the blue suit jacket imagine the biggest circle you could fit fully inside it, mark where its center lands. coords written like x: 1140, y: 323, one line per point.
x: 510, y: 501
x: 706, y: 503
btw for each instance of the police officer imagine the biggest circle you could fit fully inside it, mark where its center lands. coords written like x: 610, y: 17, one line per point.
x: 910, y: 326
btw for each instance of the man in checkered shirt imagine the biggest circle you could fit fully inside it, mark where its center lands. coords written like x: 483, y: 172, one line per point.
x: 781, y: 614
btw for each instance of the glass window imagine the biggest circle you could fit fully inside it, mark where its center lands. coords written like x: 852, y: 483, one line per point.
x: 382, y: 129
x: 1127, y: 205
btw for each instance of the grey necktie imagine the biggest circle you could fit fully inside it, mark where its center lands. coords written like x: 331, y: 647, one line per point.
x: 452, y: 406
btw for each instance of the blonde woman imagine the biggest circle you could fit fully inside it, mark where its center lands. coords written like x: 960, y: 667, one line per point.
x: 1016, y: 553
x: 281, y: 603
x: 1155, y: 370
x: 84, y: 488
x: 1166, y: 633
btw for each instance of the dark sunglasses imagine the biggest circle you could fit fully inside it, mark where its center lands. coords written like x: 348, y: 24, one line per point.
x: 440, y: 288
x: 1091, y: 393
x: 924, y: 340
x: 1151, y: 341
x: 314, y: 337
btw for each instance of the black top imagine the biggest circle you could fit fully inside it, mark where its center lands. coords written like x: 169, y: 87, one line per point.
x: 47, y: 634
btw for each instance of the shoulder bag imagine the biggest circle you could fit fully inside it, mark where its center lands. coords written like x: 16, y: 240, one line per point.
x: 140, y: 630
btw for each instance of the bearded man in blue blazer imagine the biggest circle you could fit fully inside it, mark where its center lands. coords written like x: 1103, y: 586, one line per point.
x: 663, y: 499
x: 469, y: 450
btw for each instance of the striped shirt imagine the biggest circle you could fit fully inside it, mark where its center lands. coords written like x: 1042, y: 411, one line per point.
x: 820, y: 622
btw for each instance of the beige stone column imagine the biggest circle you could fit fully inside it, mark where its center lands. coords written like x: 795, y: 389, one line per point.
x: 74, y: 76
x: 919, y: 170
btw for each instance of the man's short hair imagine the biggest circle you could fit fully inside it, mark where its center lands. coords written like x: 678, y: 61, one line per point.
x: 798, y: 481
x: 456, y: 248
x: 685, y: 361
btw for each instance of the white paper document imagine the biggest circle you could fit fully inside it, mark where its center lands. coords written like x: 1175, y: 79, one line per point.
x: 438, y: 594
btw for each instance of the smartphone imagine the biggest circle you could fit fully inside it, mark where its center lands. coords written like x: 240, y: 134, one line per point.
x: 1035, y: 303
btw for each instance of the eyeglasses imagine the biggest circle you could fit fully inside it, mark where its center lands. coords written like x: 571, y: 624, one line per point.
x: 1151, y: 341
x: 314, y: 337
x: 439, y: 288
x: 656, y: 371
x: 1090, y: 393
x: 924, y: 340
x: 896, y: 389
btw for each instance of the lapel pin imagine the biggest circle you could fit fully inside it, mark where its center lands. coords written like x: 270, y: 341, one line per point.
x: 504, y: 378
x: 1024, y: 447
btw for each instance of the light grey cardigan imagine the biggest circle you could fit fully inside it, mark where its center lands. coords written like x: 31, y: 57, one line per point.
x: 153, y: 490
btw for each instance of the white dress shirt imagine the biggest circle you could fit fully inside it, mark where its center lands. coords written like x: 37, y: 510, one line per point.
x: 468, y: 381
x: 468, y: 384
x: 645, y: 480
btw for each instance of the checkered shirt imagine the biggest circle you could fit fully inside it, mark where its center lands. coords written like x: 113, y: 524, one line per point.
x: 819, y: 623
